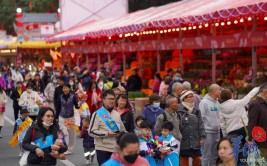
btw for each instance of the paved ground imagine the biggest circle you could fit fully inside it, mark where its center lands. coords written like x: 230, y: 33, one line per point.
x: 9, y: 156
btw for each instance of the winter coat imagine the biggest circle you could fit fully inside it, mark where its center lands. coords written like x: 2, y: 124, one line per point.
x: 151, y: 115
x: 232, y: 111
x: 134, y: 83
x: 156, y: 85
x: 174, y: 119
x: 192, y: 128
x: 15, y: 97
x: 88, y: 142
x: 93, y: 108
x: 128, y: 120
x: 209, y: 109
x: 257, y: 113
x: 49, y: 93
x: 57, y: 94
x: 39, y: 132
x: 38, y: 86
x: 99, y: 130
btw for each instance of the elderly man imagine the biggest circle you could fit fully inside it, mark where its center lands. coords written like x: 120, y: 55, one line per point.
x: 209, y: 108
x: 170, y: 115
x: 177, y: 89
x: 257, y: 114
x: 105, y: 126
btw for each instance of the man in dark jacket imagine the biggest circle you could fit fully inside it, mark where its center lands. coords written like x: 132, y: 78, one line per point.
x: 257, y: 114
x: 176, y: 78
x: 15, y: 95
x: 58, y: 92
x: 134, y: 82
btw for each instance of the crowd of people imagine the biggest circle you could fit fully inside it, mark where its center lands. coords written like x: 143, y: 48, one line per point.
x: 177, y: 123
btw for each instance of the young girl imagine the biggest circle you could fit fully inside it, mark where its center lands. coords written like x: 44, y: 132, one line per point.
x: 170, y: 146
x: 147, y: 149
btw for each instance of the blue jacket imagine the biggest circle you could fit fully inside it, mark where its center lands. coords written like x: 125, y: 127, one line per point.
x: 151, y: 115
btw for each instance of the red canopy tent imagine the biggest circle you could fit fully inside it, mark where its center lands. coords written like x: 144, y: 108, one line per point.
x: 183, y: 13
x: 175, y: 17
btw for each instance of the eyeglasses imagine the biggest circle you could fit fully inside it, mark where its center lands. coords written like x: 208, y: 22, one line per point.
x: 50, y: 116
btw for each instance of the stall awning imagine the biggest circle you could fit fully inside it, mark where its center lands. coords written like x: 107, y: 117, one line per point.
x: 171, y: 15
x: 34, y: 44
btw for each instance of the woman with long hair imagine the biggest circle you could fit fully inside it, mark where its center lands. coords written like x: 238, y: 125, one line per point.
x: 94, y: 97
x: 126, y: 114
x: 44, y: 132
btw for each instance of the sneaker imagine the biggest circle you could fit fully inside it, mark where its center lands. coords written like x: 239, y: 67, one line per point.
x: 88, y: 162
x: 1, y: 136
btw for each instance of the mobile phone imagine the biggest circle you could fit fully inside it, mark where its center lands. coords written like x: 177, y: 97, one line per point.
x: 117, y: 132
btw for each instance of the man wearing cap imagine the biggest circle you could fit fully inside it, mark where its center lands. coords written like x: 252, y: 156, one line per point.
x: 65, y: 105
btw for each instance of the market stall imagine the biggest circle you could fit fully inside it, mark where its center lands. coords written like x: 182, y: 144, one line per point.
x: 194, y: 25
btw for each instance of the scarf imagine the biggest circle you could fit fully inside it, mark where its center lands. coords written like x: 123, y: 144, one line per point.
x: 189, y: 106
x: 94, y: 97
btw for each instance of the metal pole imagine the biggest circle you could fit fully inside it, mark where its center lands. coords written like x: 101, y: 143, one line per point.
x: 254, y: 55
x: 98, y: 61
x: 158, y: 55
x: 254, y: 66
x: 213, y: 65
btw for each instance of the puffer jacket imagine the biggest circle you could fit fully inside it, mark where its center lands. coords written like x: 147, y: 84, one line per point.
x: 192, y: 128
x: 33, y: 159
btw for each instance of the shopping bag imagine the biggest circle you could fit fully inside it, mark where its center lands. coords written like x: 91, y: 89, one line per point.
x: 24, y: 158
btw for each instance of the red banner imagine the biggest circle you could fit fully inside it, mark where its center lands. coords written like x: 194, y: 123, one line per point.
x: 249, y: 39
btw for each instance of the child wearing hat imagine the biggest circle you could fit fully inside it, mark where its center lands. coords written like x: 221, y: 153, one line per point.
x: 21, y: 126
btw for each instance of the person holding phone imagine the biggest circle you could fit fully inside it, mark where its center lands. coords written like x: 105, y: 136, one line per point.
x: 105, y: 126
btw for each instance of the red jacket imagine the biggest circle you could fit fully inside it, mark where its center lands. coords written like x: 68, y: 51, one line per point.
x: 93, y: 108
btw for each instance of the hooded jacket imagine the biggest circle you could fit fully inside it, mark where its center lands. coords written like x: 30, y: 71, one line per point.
x: 209, y: 109
x: 232, y: 111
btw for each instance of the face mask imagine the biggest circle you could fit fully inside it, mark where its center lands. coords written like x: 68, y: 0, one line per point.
x: 156, y: 105
x: 71, y: 83
x: 47, y: 125
x: 101, y: 84
x: 29, y: 90
x: 131, y: 158
x: 54, y: 81
x: 177, y: 78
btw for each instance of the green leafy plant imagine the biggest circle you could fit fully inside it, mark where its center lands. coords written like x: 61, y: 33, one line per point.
x: 136, y: 94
